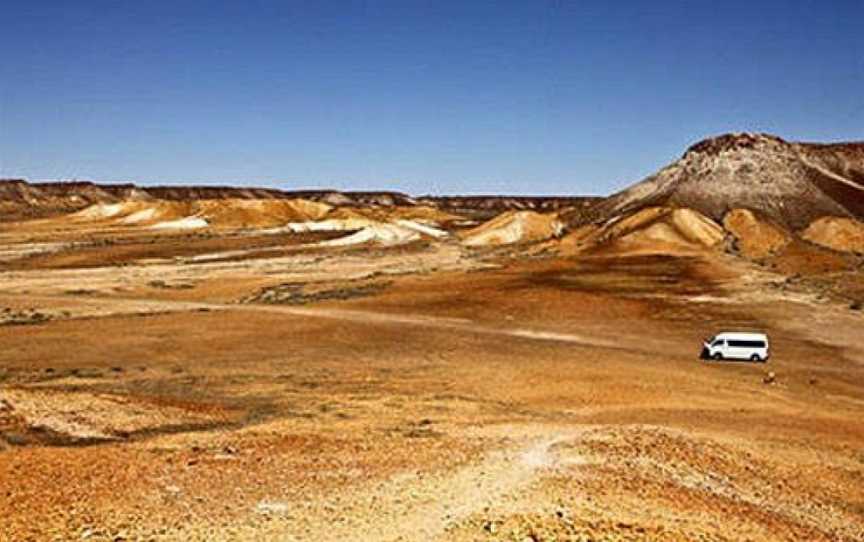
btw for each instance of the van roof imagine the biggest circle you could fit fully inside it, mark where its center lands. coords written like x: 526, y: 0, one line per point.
x: 742, y: 334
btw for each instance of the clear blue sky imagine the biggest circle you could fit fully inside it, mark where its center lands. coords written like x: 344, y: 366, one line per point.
x: 425, y: 97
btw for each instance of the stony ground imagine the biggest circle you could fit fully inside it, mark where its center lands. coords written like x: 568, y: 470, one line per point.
x: 467, y: 396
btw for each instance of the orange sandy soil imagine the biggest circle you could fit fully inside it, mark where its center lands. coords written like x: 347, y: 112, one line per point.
x: 542, y: 399
x: 98, y: 251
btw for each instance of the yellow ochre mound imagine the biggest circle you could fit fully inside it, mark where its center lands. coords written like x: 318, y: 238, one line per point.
x: 836, y: 233
x: 514, y: 227
x: 755, y: 237
x: 650, y: 230
x: 232, y: 213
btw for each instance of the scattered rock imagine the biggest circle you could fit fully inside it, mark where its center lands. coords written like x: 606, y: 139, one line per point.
x: 769, y: 378
x: 80, y: 291
x: 16, y: 439
x: 271, y: 507
x: 294, y: 293
x: 23, y: 317
x: 166, y: 286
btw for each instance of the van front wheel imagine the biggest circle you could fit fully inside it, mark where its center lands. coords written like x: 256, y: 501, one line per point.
x: 717, y: 356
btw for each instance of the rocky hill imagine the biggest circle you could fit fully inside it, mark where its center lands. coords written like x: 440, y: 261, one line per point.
x: 792, y: 184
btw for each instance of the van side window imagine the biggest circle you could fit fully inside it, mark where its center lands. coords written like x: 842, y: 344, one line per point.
x: 747, y: 344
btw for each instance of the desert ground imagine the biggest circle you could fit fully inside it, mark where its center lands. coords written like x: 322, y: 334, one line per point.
x: 415, y: 392
x: 245, y: 370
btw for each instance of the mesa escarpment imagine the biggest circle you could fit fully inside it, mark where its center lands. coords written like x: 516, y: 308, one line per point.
x: 490, y: 205
x: 20, y: 199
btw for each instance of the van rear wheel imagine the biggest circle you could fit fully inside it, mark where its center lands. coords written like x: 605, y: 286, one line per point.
x: 755, y: 357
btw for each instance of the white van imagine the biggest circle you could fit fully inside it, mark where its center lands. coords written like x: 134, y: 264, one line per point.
x: 734, y: 345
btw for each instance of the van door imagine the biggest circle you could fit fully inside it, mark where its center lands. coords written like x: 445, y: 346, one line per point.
x: 738, y: 349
